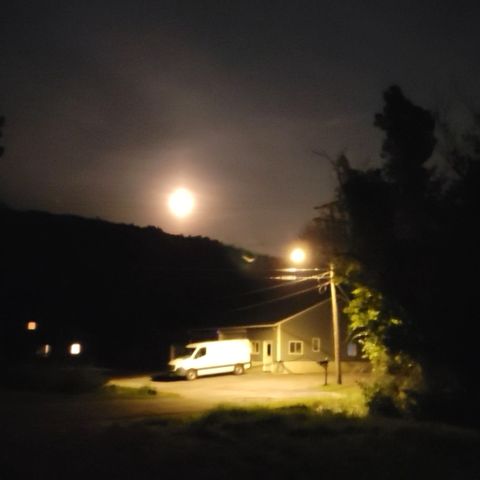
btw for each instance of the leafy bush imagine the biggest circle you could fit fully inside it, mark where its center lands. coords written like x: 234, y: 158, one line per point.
x: 396, y: 392
x: 399, y: 378
x: 381, y: 400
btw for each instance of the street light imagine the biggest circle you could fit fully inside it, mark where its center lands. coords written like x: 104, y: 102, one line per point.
x: 298, y: 256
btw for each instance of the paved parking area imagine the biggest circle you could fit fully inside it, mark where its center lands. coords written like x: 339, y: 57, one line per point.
x: 252, y: 387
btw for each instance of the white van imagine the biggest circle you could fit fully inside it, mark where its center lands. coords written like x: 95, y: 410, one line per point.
x: 209, y: 358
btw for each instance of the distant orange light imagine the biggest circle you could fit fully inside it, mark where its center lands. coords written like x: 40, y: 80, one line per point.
x: 31, y: 325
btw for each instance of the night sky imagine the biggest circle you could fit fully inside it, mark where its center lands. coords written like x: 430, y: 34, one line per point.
x: 111, y: 105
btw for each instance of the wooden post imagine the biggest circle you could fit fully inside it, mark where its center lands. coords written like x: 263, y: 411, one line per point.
x: 336, y: 329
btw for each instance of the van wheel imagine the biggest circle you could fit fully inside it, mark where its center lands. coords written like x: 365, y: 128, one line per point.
x: 191, y: 374
x: 239, y: 370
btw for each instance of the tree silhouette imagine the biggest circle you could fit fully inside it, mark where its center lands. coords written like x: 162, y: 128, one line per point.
x: 409, y: 140
x: 412, y: 240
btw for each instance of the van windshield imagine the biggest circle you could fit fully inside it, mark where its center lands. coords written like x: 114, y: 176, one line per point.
x: 184, y: 351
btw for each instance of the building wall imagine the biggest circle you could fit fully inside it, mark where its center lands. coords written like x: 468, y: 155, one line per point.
x: 314, y: 323
x: 317, y: 322
x: 263, y: 335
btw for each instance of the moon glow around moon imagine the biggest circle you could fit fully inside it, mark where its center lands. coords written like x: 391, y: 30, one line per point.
x: 181, y: 202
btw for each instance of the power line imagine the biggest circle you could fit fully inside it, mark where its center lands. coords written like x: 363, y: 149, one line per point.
x: 272, y: 287
x: 272, y: 300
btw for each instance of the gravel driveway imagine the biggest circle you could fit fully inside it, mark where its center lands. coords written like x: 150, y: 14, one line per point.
x: 252, y: 387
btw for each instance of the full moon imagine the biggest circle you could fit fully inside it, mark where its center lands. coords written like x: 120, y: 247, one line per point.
x: 181, y: 202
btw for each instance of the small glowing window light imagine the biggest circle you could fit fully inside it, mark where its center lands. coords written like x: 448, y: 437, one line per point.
x: 45, y: 350
x: 75, y: 349
x: 31, y: 325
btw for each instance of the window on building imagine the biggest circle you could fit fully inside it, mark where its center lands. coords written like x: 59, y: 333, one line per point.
x: 315, y: 344
x: 31, y: 325
x: 352, y: 349
x: 255, y: 347
x: 295, y: 347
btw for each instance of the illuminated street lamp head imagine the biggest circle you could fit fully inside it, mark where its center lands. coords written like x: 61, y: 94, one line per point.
x: 181, y: 202
x: 297, y: 255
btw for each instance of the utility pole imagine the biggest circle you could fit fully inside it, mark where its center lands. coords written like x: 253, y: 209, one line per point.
x: 336, y: 330
x: 298, y: 256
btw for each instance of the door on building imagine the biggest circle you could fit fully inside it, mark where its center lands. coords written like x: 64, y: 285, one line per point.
x: 267, y: 356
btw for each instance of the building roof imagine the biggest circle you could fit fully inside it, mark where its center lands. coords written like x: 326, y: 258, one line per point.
x: 273, y: 323
x: 278, y: 304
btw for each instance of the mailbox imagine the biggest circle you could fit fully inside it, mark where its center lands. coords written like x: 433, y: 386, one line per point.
x: 324, y: 364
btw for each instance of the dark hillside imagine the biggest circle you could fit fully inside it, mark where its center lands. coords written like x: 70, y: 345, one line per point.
x: 125, y: 292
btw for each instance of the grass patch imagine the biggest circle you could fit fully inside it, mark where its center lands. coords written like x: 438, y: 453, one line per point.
x: 127, y: 392
x: 292, y: 441
x: 53, y: 378
x: 145, y: 391
x: 346, y: 400
x: 298, y: 442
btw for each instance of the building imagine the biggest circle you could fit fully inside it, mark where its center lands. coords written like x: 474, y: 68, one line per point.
x: 296, y: 343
